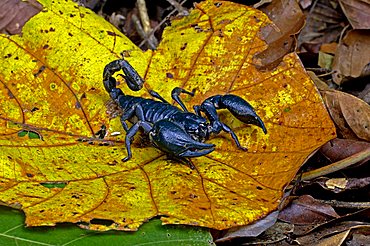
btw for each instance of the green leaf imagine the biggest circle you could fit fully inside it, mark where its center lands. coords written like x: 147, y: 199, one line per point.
x: 22, y: 133
x: 34, y: 135
x: 13, y: 232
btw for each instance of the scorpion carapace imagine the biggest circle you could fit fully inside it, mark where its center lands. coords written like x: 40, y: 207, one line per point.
x: 178, y: 132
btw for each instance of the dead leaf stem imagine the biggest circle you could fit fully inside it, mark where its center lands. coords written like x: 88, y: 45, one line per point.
x: 143, y: 11
x: 159, y: 25
x: 140, y: 30
x: 179, y: 7
x: 336, y: 166
x: 342, y: 204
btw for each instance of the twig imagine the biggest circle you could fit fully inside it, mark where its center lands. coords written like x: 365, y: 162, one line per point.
x: 336, y: 166
x: 143, y: 11
x: 325, y: 74
x: 159, y: 25
x: 179, y: 8
x: 342, y: 33
x: 341, y: 204
x: 260, y: 3
x: 139, y: 28
x: 318, y: 69
x: 309, y: 16
x: 141, y: 32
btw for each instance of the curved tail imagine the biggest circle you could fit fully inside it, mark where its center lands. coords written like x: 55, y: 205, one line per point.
x: 132, y: 78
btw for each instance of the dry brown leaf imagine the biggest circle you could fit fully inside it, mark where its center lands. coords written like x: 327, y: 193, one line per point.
x: 334, y: 235
x: 289, y: 20
x: 338, y: 149
x: 321, y: 17
x: 338, y: 185
x: 333, y: 240
x: 329, y: 48
x: 302, y: 230
x: 357, y: 13
x: 306, y: 210
x: 320, y: 84
x: 352, y: 55
x: 359, y: 237
x: 351, y: 115
x: 365, y: 94
x: 305, y: 3
x: 14, y: 13
x: 252, y: 230
x: 278, y: 232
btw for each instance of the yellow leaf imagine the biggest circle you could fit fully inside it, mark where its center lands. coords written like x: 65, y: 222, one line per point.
x: 51, y: 85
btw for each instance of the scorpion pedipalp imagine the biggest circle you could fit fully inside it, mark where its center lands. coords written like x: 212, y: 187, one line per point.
x: 242, y: 110
x: 173, y: 139
x: 237, y: 106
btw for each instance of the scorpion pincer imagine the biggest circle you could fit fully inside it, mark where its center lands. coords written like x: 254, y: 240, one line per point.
x: 178, y: 132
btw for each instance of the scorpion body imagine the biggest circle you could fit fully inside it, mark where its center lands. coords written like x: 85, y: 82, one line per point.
x: 175, y: 131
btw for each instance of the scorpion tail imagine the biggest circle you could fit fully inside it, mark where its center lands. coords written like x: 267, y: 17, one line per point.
x: 133, y: 79
x: 110, y: 84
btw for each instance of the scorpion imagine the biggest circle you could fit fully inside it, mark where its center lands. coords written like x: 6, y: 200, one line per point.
x: 179, y: 133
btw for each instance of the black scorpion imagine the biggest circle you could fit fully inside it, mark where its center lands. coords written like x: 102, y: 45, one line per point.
x: 179, y: 133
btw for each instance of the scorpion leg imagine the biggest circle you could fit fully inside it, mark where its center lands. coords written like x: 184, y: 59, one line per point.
x: 131, y: 133
x: 132, y: 78
x: 227, y: 129
x: 216, y: 124
x: 197, y: 110
x: 175, y: 96
x: 135, y: 110
x: 176, y: 93
x: 156, y: 95
x: 125, y: 116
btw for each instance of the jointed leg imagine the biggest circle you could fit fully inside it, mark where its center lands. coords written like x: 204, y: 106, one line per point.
x: 176, y: 93
x: 156, y: 95
x: 183, y: 160
x: 233, y: 135
x: 131, y: 133
x: 136, y: 110
x: 125, y: 116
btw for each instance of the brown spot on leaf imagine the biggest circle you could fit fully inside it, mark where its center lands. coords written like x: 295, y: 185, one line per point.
x: 183, y: 46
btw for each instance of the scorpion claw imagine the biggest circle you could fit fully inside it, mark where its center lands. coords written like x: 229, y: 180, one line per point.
x: 195, y: 153
x: 173, y: 139
x: 259, y: 123
x: 242, y: 110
